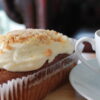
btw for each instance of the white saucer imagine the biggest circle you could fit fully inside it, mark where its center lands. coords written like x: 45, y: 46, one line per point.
x: 85, y: 81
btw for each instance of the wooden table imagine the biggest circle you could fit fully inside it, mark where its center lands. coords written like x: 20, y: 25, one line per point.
x: 67, y: 92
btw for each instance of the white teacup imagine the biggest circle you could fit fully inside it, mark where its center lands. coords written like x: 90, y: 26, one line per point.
x: 95, y: 45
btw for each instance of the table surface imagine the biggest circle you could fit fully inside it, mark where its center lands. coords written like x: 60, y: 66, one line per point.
x: 67, y: 92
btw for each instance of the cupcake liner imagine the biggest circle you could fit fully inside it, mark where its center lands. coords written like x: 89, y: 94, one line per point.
x: 39, y: 84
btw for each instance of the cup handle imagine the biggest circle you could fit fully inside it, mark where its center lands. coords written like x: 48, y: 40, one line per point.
x: 79, y: 51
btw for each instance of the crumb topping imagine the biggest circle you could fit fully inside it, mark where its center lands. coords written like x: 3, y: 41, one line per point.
x: 26, y: 35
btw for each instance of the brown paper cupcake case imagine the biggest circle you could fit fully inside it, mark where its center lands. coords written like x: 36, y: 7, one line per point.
x: 38, y: 85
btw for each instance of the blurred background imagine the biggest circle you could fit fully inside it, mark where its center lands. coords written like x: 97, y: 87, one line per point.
x: 75, y: 18
x: 7, y: 24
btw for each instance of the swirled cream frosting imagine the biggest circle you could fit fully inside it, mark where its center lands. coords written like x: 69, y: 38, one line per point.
x: 29, y: 49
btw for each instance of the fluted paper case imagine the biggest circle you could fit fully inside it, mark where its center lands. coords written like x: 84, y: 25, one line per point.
x: 39, y: 84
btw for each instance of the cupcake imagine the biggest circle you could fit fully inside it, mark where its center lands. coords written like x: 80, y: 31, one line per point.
x: 33, y: 62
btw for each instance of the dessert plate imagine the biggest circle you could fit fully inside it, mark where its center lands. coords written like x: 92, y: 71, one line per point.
x: 85, y: 81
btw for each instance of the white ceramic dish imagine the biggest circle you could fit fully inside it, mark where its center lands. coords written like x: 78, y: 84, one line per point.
x: 85, y: 81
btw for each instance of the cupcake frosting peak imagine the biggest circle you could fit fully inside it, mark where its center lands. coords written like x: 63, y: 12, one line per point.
x: 29, y: 49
